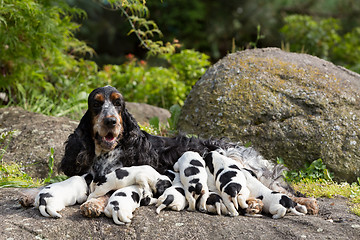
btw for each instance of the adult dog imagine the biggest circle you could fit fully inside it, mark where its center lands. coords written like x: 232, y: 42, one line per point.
x: 108, y: 137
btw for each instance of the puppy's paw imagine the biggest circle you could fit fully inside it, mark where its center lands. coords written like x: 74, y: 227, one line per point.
x: 94, y: 207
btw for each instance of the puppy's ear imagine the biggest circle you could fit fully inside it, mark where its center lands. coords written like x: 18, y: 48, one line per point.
x: 79, y: 149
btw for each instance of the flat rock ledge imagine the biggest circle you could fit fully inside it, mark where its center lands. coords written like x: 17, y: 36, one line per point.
x: 333, y: 222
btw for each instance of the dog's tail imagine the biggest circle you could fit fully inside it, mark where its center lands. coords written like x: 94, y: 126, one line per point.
x: 163, y: 203
x: 116, y: 218
x: 270, y: 174
x: 42, y: 209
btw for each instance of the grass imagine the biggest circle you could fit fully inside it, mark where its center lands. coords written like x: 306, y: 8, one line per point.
x: 315, y: 180
x: 12, y: 175
x: 329, y: 189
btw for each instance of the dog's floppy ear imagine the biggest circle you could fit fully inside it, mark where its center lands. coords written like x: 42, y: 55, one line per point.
x: 79, y: 149
x: 131, y: 128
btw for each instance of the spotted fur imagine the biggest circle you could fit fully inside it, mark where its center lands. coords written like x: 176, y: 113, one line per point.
x: 275, y: 203
x: 193, y: 176
x: 145, y: 176
x: 173, y: 197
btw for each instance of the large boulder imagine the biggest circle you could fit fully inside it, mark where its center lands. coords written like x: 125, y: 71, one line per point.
x: 294, y: 106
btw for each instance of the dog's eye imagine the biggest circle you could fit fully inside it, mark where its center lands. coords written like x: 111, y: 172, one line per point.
x: 117, y: 102
x: 97, y: 104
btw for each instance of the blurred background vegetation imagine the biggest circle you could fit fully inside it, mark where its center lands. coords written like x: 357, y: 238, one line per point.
x: 54, y: 52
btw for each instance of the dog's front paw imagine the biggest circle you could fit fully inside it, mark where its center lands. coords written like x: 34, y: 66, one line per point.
x: 310, y: 204
x: 94, y: 207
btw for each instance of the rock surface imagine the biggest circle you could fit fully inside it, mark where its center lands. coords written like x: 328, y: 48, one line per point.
x: 294, y: 106
x: 333, y: 222
x: 37, y: 133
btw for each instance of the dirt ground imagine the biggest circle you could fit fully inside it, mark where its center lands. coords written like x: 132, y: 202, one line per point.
x: 334, y: 221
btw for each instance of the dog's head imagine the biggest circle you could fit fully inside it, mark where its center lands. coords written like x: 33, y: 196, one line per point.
x: 163, y: 182
x: 105, y: 106
x: 255, y: 206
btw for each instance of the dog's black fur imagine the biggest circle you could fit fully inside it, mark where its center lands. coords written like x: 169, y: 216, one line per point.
x: 134, y: 146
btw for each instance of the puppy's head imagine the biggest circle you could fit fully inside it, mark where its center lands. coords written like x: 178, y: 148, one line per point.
x: 255, y: 206
x: 106, y: 105
x: 163, y: 182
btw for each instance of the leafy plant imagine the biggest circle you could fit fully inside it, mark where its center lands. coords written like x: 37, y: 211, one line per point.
x: 323, y: 38
x: 157, y: 85
x: 175, y: 111
x: 145, y: 30
x: 314, y: 171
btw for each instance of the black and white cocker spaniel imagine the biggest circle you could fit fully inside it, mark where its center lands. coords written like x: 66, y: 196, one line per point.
x: 108, y: 137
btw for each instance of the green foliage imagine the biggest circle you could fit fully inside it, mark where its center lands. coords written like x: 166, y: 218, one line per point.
x: 175, y: 111
x: 156, y: 128
x: 314, y: 171
x: 39, y: 64
x: 5, y: 138
x: 157, y: 85
x: 11, y: 175
x: 42, y: 71
x: 323, y: 188
x: 323, y: 38
x: 145, y: 30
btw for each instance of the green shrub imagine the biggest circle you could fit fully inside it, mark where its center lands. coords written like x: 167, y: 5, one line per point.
x: 323, y: 38
x: 315, y: 171
x: 42, y: 69
x: 157, y: 85
x: 39, y: 56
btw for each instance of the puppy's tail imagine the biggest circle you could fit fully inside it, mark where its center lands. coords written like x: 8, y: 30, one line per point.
x: 116, y: 218
x: 160, y: 207
x: 198, y: 189
x: 42, y: 209
x: 218, y: 208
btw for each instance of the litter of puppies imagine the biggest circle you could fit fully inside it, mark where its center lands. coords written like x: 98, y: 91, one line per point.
x: 213, y: 184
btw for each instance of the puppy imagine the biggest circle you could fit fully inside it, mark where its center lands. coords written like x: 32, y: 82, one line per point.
x: 215, y: 204
x: 275, y: 203
x: 229, y: 180
x: 123, y: 203
x: 174, y: 196
x: 194, y: 178
x: 57, y: 196
x: 145, y: 176
x: 255, y: 207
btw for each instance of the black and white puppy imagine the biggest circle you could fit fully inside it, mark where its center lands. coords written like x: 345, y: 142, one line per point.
x: 229, y: 180
x: 145, y: 176
x: 174, y: 196
x: 193, y: 176
x: 124, y: 202
x: 215, y: 204
x: 57, y: 196
x: 275, y: 203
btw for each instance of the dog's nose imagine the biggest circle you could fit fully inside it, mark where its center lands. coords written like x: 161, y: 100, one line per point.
x: 110, y: 121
